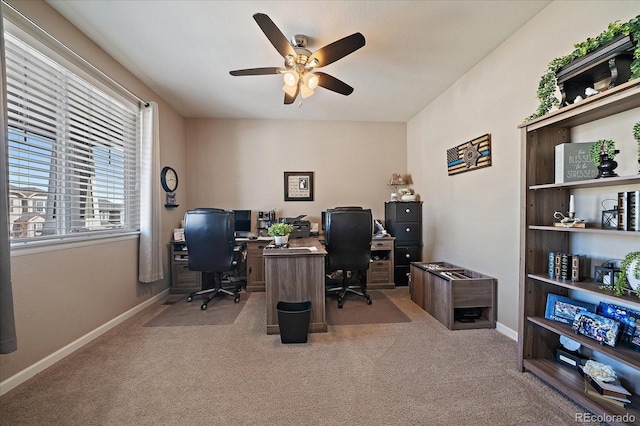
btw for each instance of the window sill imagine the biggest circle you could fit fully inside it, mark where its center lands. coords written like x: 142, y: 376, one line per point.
x: 33, y: 247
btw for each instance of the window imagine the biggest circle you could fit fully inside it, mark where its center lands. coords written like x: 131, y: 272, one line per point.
x: 73, y: 152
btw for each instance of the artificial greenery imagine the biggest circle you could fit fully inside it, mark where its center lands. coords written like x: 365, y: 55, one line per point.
x: 547, y: 85
x: 621, y: 283
x: 280, y: 229
x: 596, y: 150
x: 636, y: 136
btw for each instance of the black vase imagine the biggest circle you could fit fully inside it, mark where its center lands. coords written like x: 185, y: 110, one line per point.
x: 607, y: 166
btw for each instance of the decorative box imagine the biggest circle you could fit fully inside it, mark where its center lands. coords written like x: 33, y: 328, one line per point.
x: 570, y: 358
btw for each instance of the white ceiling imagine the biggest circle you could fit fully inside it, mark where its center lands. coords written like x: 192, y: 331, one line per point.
x: 184, y: 50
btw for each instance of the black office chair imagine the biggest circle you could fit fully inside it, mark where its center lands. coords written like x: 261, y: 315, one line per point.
x: 209, y: 236
x: 348, y: 232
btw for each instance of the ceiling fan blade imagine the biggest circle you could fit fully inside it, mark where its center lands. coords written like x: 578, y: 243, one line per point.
x: 338, y: 49
x: 274, y: 35
x: 257, y: 71
x: 329, y: 82
x: 288, y: 99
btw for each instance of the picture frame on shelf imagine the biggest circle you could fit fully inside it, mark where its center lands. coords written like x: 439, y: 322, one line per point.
x: 602, y: 329
x: 563, y: 309
x: 628, y: 318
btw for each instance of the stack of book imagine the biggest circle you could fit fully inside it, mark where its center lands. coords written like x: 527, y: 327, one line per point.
x: 565, y: 266
x: 611, y: 392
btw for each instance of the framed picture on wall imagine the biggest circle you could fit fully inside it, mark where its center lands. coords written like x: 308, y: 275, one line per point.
x: 298, y: 186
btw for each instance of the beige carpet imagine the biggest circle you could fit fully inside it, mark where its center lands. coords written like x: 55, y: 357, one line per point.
x: 356, y: 311
x: 178, y: 312
x: 409, y: 373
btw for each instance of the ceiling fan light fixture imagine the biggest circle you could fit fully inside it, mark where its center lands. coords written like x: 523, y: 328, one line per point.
x: 305, y: 91
x: 312, y: 63
x: 291, y: 91
x: 291, y: 78
x: 310, y: 80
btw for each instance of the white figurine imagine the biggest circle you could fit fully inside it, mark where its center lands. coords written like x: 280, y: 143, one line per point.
x: 590, y: 91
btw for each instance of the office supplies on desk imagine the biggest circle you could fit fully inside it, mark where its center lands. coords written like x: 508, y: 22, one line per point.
x: 301, y: 228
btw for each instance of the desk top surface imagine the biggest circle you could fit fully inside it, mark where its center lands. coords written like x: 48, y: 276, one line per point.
x: 299, y: 247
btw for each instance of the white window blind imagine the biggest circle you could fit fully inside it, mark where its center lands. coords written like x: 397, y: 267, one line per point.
x: 73, y: 152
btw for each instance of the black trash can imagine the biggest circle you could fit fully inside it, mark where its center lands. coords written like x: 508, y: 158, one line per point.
x: 293, y: 319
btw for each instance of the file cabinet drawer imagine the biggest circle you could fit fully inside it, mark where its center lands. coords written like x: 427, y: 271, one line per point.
x: 379, y: 272
x: 404, y: 211
x: 407, y: 232
x: 407, y: 254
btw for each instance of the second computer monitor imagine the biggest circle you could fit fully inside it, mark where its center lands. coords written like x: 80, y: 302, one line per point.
x: 242, y: 220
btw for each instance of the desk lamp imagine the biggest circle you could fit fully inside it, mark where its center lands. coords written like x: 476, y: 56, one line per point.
x: 395, y: 181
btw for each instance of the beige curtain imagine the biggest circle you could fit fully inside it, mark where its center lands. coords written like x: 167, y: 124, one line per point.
x: 150, y: 253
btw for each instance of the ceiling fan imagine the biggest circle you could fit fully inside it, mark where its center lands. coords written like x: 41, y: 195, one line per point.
x: 299, y: 72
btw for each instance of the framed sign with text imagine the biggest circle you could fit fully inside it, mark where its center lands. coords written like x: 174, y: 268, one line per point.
x: 298, y: 186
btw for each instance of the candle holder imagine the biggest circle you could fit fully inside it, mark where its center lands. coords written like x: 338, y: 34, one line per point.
x: 607, y: 273
x: 610, y: 218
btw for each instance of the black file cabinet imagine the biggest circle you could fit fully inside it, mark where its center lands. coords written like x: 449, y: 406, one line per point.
x: 403, y: 220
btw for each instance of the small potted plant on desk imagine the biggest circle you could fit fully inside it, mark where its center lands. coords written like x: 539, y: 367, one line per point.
x: 281, y: 232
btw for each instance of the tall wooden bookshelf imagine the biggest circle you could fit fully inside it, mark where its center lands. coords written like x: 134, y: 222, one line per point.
x: 540, y: 197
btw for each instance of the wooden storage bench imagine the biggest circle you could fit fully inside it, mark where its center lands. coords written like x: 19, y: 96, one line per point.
x: 455, y: 296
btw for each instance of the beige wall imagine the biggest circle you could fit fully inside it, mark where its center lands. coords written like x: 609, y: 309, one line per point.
x: 472, y: 219
x: 62, y: 295
x: 241, y: 163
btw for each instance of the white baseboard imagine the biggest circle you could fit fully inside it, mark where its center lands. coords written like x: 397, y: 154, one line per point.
x: 48, y: 361
x: 512, y: 334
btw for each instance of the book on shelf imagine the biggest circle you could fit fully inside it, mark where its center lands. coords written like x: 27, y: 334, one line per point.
x: 590, y: 390
x: 565, y: 266
x: 610, y: 389
x: 556, y: 265
x: 580, y: 267
x: 633, y: 210
x: 622, y: 211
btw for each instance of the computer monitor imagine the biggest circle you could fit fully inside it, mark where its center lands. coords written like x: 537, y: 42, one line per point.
x: 242, y: 220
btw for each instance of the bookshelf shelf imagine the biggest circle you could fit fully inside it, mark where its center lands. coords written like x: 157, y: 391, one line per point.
x: 587, y: 286
x: 538, y: 337
x: 570, y: 382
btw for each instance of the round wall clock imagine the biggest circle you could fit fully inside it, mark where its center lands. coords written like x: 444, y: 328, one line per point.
x: 169, y: 179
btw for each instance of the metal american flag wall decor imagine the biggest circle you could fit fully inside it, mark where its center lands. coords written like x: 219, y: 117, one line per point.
x: 471, y: 155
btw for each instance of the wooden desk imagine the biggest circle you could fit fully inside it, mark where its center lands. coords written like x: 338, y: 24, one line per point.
x: 296, y: 275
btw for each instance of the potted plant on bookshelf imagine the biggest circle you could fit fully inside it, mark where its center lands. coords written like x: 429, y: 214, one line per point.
x: 280, y: 232
x: 629, y: 277
x: 547, y: 86
x: 602, y: 153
